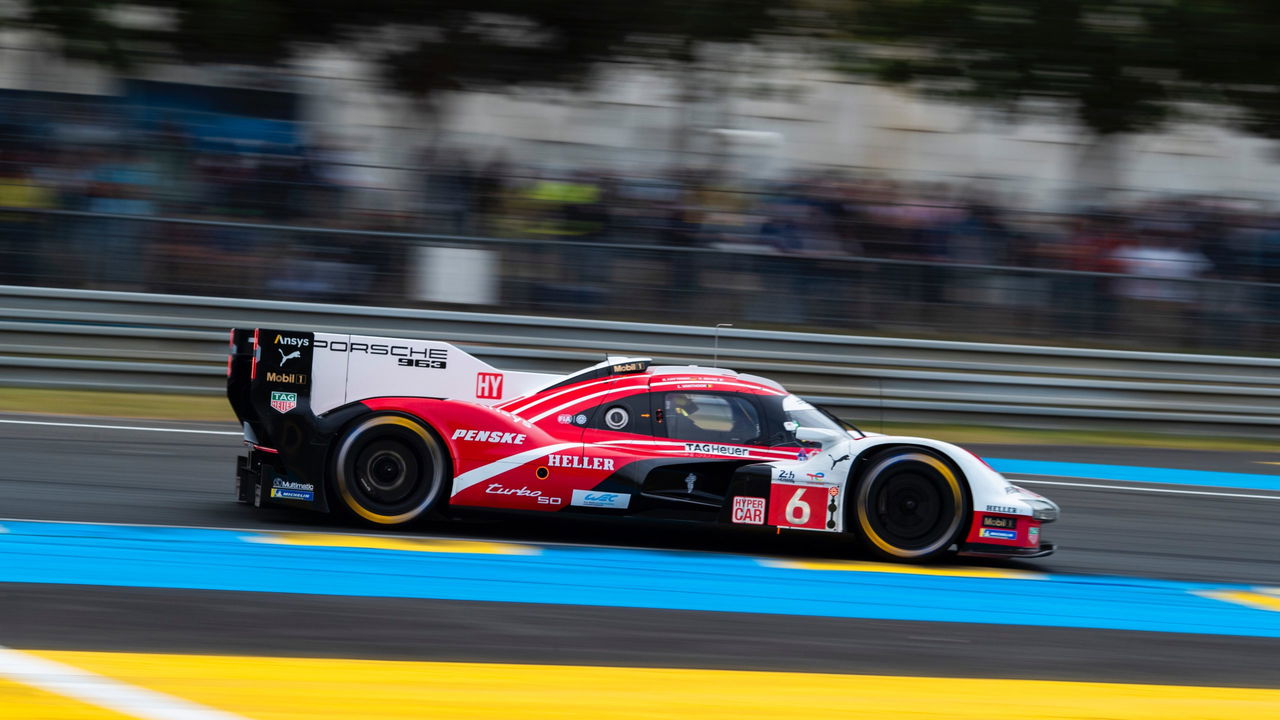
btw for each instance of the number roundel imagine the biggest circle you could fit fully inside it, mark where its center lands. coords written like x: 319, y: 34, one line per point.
x: 616, y: 417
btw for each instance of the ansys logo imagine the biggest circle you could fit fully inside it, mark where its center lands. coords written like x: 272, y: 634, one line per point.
x: 284, y: 401
x: 293, y: 341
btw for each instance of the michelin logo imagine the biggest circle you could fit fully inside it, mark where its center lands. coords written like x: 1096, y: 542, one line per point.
x: 592, y: 498
x: 292, y: 494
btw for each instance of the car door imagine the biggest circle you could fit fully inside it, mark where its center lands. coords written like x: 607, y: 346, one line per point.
x: 617, y: 441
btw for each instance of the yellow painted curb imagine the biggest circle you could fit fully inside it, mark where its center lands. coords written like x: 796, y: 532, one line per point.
x: 370, y: 542
x: 896, y: 569
x: 322, y: 689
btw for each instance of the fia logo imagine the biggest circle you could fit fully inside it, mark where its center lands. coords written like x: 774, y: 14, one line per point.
x: 489, y: 386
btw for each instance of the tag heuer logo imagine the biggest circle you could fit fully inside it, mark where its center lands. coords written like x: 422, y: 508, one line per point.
x: 283, y: 401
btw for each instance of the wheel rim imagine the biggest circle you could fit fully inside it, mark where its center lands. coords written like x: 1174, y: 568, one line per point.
x: 390, y: 469
x: 910, y: 505
x: 386, y: 472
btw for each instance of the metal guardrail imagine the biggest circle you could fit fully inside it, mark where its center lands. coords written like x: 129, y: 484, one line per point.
x: 880, y: 285
x: 172, y: 343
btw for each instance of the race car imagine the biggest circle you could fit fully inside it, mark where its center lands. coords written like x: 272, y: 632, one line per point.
x: 393, y: 430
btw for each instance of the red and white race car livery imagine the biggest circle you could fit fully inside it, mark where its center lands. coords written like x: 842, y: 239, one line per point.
x: 393, y: 429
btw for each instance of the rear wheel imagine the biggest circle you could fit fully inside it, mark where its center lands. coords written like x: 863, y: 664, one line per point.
x: 911, y: 505
x: 390, y: 469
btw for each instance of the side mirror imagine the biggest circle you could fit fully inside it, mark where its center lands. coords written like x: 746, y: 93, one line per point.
x: 820, y: 435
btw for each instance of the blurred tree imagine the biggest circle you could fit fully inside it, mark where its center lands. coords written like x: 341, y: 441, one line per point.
x: 1119, y: 65
x: 1226, y: 48
x: 422, y: 46
x: 1115, y: 64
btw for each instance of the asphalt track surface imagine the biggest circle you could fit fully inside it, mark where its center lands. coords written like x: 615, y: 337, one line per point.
x: 1178, y: 533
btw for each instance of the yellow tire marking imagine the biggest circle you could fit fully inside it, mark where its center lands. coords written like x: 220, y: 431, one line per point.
x: 1258, y: 598
x: 324, y: 689
x: 345, y: 492
x: 865, y: 522
x: 874, y: 567
x: 368, y: 542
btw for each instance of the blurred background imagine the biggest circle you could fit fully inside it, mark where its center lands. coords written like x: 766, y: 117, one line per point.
x: 1048, y: 171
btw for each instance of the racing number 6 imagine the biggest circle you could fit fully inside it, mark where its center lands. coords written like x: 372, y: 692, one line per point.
x: 797, y: 509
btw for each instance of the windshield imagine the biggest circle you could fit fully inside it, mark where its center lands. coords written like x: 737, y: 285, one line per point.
x: 805, y: 415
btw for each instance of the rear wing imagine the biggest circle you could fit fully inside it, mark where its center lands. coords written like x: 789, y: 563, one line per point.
x: 281, y: 370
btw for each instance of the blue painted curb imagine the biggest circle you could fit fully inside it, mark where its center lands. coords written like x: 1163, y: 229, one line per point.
x: 158, y: 557
x: 1131, y: 473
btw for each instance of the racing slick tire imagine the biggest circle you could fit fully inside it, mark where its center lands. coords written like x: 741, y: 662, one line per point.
x: 911, y: 505
x: 390, y: 469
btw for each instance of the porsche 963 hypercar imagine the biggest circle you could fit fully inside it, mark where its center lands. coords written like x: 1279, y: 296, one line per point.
x: 391, y: 430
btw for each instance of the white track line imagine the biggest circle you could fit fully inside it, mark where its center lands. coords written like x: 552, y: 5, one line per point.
x: 72, y: 682
x: 1024, y: 480
x: 120, y: 427
x: 1019, y: 481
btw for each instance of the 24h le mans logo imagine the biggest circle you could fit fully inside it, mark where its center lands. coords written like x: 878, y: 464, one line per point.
x: 283, y: 401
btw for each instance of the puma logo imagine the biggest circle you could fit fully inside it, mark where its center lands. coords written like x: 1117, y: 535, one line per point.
x: 286, y: 358
x: 834, y: 463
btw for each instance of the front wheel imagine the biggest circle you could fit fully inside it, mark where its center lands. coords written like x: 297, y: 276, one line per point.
x: 911, y: 505
x: 390, y: 469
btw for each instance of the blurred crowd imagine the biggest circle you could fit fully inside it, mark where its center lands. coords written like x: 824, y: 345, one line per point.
x: 832, y: 236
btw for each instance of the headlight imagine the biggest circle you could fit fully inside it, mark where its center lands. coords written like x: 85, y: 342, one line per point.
x: 1042, y: 509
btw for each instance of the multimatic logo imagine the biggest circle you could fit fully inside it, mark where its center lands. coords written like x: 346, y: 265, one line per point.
x: 406, y: 356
